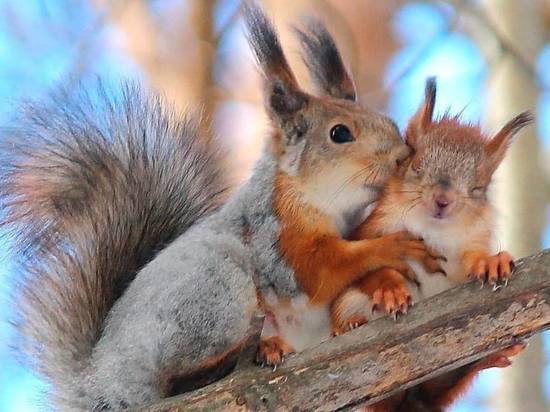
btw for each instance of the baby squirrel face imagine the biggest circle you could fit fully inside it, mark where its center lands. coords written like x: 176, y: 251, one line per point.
x: 448, y: 174
x: 452, y: 164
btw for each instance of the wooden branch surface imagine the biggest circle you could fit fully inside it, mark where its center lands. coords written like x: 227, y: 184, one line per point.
x: 374, y: 361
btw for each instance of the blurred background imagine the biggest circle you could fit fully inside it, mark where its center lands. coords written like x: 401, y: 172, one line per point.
x: 491, y: 59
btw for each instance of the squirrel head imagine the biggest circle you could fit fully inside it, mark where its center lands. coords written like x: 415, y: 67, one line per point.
x: 328, y: 140
x: 452, y: 162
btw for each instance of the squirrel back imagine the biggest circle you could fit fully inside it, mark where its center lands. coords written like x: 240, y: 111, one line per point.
x: 93, y: 186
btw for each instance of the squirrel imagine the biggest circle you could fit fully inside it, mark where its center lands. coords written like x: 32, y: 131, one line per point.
x: 437, y: 193
x: 139, y: 275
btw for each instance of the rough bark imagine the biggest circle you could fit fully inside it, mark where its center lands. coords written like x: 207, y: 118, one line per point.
x: 372, y: 362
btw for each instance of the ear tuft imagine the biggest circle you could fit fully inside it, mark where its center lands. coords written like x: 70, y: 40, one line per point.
x: 496, y: 148
x: 264, y: 42
x: 515, y: 125
x: 283, y: 95
x: 324, y: 61
x: 422, y: 120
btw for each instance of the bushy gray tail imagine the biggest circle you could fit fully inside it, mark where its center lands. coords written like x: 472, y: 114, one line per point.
x: 92, y: 185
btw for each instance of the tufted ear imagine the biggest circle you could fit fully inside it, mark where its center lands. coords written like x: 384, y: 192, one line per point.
x: 283, y: 96
x: 423, y: 118
x: 324, y: 61
x: 496, y: 148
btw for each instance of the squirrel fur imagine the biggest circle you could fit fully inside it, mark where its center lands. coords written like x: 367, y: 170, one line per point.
x: 437, y: 193
x: 136, y: 278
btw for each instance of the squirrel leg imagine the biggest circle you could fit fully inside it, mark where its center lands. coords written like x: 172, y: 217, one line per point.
x: 349, y: 311
x: 438, y: 394
x: 272, y: 351
x: 386, y: 289
x: 272, y: 348
x: 445, y: 393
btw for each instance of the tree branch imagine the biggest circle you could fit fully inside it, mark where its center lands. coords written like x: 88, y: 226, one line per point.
x: 440, y: 334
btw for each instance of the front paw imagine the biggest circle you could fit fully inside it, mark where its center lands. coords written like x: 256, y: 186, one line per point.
x: 403, y: 245
x: 272, y: 351
x: 493, y: 269
x: 392, y: 295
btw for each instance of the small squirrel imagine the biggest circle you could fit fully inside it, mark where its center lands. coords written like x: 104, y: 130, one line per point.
x: 138, y: 276
x: 440, y: 195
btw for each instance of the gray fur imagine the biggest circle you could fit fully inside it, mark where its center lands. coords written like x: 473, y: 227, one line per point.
x: 93, y: 186
x: 134, y: 279
x: 324, y: 61
x: 104, y: 321
x: 445, y: 158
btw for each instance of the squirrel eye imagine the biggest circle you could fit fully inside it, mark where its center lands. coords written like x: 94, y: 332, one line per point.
x: 341, y: 134
x: 417, y: 171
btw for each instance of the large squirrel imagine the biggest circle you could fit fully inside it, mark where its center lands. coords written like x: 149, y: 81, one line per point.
x: 136, y: 278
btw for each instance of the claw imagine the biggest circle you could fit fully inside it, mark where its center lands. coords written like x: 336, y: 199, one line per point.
x: 275, y: 368
x: 442, y: 272
x: 482, y: 284
x: 506, y: 283
x: 496, y: 287
x: 394, y: 315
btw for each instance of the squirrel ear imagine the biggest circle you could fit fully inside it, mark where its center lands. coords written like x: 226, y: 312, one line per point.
x: 496, y: 148
x: 422, y: 120
x: 324, y: 61
x: 282, y: 93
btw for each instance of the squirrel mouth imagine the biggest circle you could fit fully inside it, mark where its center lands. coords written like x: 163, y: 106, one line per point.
x: 440, y: 215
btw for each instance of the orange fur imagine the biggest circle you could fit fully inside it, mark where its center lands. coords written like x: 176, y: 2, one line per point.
x: 272, y: 350
x: 437, y: 394
x: 324, y: 263
x: 410, y: 199
x: 387, y: 289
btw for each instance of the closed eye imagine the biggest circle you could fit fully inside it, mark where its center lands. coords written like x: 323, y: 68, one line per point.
x: 477, y: 191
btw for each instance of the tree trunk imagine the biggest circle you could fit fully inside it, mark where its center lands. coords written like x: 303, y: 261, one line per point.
x: 521, y: 190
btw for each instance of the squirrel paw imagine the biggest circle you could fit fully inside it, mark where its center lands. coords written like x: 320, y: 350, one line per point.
x: 405, y: 245
x: 493, y: 269
x: 350, y: 323
x: 272, y: 351
x: 392, y: 296
x: 500, y: 359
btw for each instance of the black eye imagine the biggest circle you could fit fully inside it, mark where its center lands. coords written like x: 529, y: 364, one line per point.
x: 341, y: 134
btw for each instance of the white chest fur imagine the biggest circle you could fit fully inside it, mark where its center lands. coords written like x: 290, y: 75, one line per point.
x: 299, y: 323
x: 448, y: 240
x: 345, y: 201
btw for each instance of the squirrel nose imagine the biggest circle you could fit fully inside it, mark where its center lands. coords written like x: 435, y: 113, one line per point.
x: 442, y: 202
